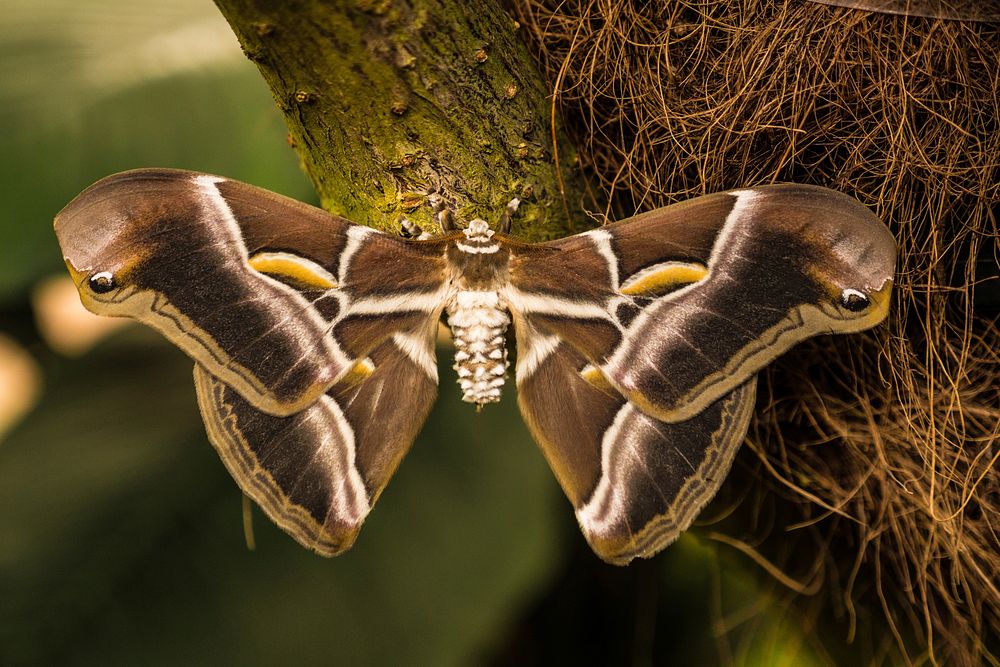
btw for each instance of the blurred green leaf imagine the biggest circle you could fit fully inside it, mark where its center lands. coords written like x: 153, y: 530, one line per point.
x: 746, y: 618
x: 122, y: 535
x: 89, y: 89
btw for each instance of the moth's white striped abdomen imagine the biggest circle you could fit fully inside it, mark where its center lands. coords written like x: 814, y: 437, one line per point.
x: 478, y: 321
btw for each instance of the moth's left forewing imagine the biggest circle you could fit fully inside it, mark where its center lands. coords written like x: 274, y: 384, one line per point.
x: 788, y: 262
x: 679, y: 306
x: 686, y: 303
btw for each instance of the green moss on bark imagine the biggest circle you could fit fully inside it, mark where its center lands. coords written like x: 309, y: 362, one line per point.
x: 388, y: 99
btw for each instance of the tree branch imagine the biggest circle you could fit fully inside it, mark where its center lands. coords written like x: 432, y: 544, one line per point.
x: 388, y: 99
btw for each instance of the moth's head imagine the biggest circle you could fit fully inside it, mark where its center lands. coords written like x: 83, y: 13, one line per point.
x: 111, y: 229
x: 478, y: 230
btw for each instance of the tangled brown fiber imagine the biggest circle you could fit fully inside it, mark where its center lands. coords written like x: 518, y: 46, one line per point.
x: 884, y: 447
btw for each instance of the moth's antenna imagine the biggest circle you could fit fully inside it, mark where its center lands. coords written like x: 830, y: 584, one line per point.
x: 508, y: 215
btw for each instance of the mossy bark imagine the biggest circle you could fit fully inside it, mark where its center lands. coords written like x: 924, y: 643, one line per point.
x: 387, y: 100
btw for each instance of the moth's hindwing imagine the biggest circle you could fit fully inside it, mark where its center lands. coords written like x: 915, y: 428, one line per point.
x: 635, y: 482
x: 271, y: 296
x: 317, y: 473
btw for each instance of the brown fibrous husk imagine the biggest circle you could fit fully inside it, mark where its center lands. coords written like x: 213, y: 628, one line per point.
x: 884, y: 447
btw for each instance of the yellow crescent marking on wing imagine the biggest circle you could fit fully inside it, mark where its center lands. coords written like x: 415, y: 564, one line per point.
x: 295, y: 269
x: 594, y: 377
x: 359, y: 372
x: 663, y: 276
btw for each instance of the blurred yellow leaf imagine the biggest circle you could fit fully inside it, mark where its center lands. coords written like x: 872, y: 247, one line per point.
x: 64, y: 323
x: 20, y: 383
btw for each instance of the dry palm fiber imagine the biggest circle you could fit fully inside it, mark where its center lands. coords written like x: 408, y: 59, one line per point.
x: 884, y: 448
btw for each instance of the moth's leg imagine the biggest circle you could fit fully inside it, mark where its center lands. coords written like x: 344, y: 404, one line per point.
x: 508, y: 215
x: 410, y: 230
x: 443, y: 213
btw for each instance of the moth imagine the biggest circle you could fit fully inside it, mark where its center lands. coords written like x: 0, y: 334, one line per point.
x: 637, y: 343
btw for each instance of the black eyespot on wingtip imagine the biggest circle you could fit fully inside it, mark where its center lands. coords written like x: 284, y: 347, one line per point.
x: 101, y: 283
x: 854, y: 300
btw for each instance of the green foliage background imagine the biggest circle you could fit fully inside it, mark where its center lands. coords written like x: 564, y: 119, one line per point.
x: 120, y: 531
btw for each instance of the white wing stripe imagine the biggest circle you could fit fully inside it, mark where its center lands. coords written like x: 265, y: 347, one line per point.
x: 606, y: 506
x: 602, y: 242
x: 419, y: 350
x: 349, y: 499
x: 534, y: 348
x: 213, y: 199
x: 542, y: 304
x: 355, y: 237
x: 428, y: 302
x: 616, y: 365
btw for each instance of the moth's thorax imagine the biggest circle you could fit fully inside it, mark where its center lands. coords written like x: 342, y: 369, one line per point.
x: 478, y: 315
